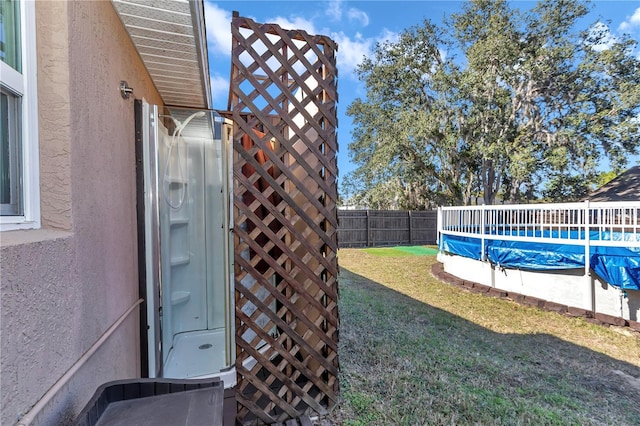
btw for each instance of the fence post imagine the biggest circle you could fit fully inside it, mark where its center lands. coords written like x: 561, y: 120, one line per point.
x: 410, y: 230
x: 368, y: 229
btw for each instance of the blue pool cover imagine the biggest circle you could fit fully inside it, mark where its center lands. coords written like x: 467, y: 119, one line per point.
x: 619, y: 266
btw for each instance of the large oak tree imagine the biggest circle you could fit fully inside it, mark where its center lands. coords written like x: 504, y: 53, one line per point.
x: 498, y: 103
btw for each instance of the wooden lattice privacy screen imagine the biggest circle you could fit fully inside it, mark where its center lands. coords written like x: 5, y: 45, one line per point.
x: 283, y: 104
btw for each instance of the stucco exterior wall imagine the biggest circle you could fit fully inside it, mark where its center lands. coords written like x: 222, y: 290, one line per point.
x: 62, y: 286
x: 54, y: 114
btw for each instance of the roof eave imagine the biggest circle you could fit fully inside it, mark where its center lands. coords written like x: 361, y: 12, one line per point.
x: 170, y: 38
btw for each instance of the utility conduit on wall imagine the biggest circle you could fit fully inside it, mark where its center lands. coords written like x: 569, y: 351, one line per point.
x: 28, y: 418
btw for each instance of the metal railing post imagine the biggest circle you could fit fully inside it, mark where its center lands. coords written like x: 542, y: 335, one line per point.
x: 439, y: 228
x: 590, y: 294
x: 483, y: 256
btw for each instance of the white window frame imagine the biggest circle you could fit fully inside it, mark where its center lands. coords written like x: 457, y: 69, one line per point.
x: 25, y: 86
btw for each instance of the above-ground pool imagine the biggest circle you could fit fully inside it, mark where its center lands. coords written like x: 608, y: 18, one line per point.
x: 618, y: 266
x: 602, y: 237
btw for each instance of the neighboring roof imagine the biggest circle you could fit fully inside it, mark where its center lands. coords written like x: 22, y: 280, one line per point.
x: 625, y: 187
x: 171, y: 40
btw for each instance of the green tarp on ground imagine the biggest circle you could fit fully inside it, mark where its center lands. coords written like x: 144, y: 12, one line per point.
x: 402, y: 251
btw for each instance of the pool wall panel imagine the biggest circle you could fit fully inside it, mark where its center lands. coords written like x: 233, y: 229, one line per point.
x: 567, y: 287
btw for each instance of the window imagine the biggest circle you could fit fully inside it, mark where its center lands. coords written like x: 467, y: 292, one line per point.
x: 19, y: 188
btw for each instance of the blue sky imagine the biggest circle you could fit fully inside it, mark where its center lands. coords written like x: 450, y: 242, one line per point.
x: 357, y: 26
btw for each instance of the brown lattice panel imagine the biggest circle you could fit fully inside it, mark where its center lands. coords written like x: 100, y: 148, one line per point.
x: 283, y: 104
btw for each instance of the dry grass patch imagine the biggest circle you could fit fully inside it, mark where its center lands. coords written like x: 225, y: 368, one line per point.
x: 414, y: 350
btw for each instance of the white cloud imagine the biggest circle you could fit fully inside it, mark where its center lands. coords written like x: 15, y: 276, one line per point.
x: 334, y: 10
x: 601, y: 36
x: 218, y: 28
x: 443, y: 54
x: 631, y: 22
x: 351, y: 51
x: 294, y: 23
x: 219, y: 89
x: 358, y: 15
x: 388, y: 36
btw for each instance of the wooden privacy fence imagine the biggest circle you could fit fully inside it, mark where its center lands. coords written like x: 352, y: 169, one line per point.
x: 283, y: 104
x: 368, y: 228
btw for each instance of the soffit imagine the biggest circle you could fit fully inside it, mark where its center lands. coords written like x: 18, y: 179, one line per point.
x: 171, y: 40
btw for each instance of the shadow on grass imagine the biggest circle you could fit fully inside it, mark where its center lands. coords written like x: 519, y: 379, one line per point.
x: 406, y: 362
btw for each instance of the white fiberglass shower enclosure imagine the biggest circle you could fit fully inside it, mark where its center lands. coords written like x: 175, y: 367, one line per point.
x: 184, y: 223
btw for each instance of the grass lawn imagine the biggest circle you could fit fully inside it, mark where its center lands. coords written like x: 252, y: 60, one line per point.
x: 401, y: 251
x: 414, y: 350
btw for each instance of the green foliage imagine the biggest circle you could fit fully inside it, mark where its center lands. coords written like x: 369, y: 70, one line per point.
x: 565, y: 188
x: 364, y: 408
x: 530, y: 107
x: 605, y: 177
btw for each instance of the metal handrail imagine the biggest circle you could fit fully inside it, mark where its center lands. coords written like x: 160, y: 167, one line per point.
x: 593, y: 223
